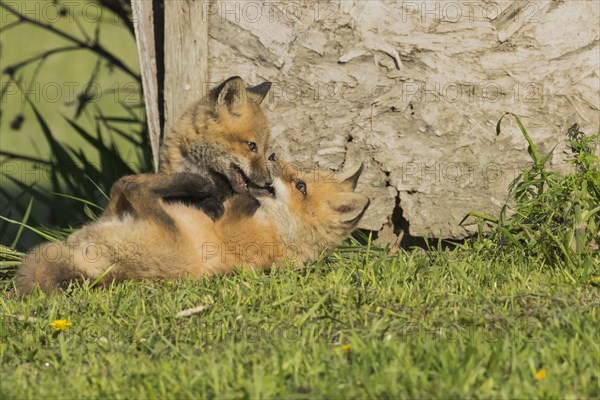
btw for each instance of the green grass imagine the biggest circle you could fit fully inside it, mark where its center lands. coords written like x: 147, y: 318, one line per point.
x: 418, y: 325
x: 549, y: 214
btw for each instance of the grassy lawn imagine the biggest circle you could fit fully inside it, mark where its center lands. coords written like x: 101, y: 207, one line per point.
x: 360, y: 324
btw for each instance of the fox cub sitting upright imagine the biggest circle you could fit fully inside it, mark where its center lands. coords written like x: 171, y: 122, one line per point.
x: 226, y: 134
x: 223, y: 139
x: 303, y: 215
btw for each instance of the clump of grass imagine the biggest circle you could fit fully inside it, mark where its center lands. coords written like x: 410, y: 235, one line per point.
x: 11, y: 258
x: 549, y: 215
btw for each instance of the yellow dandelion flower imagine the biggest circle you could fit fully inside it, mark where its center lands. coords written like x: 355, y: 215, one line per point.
x: 343, y: 349
x: 541, y: 374
x: 61, y: 324
x: 594, y: 280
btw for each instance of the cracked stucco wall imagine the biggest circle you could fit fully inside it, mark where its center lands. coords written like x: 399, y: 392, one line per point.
x: 414, y: 89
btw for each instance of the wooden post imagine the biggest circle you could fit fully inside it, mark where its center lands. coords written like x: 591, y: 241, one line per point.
x: 185, y: 61
x: 143, y: 20
x: 186, y: 56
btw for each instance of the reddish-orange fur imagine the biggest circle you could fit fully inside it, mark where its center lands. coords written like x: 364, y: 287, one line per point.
x: 214, y: 133
x: 290, y: 225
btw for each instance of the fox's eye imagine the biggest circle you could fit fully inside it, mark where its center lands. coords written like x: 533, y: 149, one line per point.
x: 273, y: 157
x: 301, y: 186
x: 252, y: 146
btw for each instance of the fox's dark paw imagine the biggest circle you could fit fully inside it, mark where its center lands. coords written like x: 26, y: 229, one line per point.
x: 244, y: 205
x: 213, y: 208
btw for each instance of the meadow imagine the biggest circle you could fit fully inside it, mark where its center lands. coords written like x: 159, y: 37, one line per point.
x: 359, y: 324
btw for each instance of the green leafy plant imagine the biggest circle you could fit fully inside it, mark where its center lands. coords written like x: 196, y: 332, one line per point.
x: 553, y: 216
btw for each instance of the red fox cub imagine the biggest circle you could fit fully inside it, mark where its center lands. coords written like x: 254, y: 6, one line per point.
x: 300, y: 217
x: 224, y: 139
x: 225, y: 135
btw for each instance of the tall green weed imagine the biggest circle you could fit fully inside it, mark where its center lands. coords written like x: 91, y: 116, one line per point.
x: 550, y: 215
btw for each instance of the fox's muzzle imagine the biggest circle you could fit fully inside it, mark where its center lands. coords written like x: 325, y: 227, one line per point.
x: 260, y: 174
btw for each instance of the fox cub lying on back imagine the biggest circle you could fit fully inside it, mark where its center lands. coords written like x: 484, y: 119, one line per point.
x: 303, y: 215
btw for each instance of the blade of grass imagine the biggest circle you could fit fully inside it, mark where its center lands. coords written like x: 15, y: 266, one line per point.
x: 34, y: 230
x: 24, y: 221
x: 531, y: 147
x: 102, y: 192
x: 106, y: 272
x: 313, y: 309
x: 89, y: 203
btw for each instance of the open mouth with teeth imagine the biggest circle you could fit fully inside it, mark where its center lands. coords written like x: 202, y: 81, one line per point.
x: 242, y: 184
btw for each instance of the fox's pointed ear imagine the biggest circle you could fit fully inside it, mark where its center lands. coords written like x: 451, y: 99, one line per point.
x: 350, y: 207
x: 258, y: 93
x: 351, y: 177
x: 231, y: 94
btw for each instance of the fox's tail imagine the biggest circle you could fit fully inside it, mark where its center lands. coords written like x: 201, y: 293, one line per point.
x: 47, y: 267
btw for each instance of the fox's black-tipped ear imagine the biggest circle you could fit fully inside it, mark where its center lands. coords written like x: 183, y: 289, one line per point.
x: 232, y: 94
x: 259, y: 92
x: 353, y: 175
x: 350, y: 207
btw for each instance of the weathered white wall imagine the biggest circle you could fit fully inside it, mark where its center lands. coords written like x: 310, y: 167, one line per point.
x: 414, y: 90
